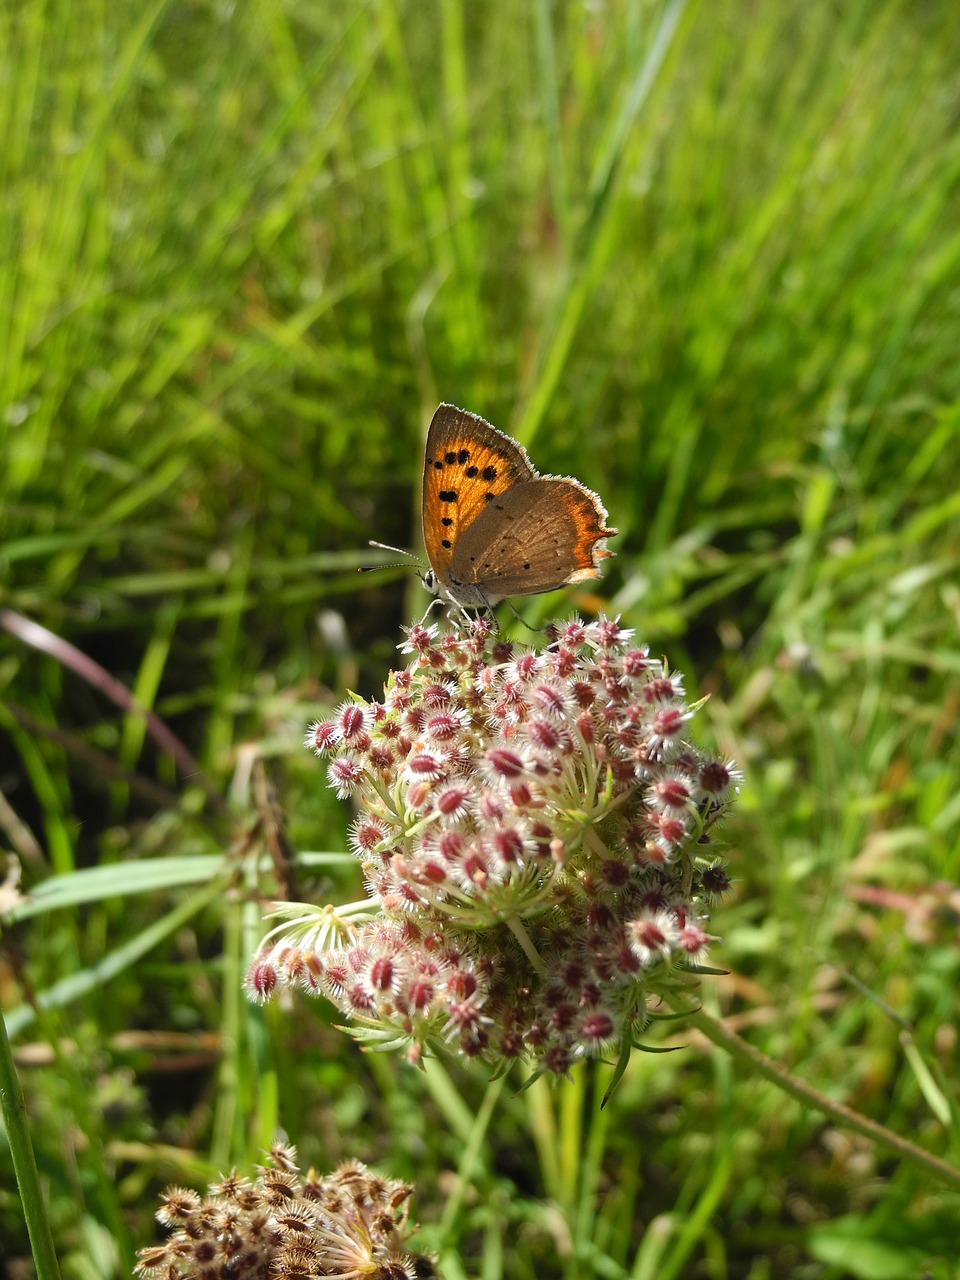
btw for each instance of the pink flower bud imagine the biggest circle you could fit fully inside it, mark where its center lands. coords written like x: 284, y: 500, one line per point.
x: 506, y: 762
x: 323, y: 736
x: 261, y: 980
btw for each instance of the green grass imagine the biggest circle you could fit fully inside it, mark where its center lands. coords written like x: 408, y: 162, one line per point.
x: 703, y: 256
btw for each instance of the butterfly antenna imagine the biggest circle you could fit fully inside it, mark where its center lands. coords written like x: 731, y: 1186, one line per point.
x: 385, y: 546
x: 400, y: 551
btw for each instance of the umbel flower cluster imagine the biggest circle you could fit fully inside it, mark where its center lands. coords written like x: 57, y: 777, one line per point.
x: 281, y: 1226
x: 534, y: 830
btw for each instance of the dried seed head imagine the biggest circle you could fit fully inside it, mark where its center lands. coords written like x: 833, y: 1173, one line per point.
x: 350, y: 1223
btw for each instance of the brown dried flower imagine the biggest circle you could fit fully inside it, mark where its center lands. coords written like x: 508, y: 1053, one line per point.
x: 351, y: 1224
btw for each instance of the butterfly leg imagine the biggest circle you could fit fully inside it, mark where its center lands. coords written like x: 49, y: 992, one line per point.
x: 487, y: 608
x: 535, y: 630
x: 459, y: 616
x: 492, y: 612
x: 429, y: 609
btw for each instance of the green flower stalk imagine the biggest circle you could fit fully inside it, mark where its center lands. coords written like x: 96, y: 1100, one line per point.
x: 351, y: 1224
x: 535, y: 832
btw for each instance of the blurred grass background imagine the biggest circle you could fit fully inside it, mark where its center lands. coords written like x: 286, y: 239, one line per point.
x: 703, y: 256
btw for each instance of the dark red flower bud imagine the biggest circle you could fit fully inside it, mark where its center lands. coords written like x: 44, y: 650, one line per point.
x: 261, y: 980
x: 382, y: 973
x: 352, y: 721
x: 323, y: 736
x: 506, y: 762
x: 715, y: 777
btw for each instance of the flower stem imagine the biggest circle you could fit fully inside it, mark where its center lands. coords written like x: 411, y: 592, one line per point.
x: 758, y: 1062
x: 14, y: 1115
x: 515, y: 925
x: 471, y: 1157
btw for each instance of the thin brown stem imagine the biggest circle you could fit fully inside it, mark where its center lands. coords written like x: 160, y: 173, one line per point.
x: 68, y: 655
x: 721, y: 1035
x: 103, y: 768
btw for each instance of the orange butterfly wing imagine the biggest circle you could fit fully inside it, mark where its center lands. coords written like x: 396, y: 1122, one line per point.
x: 467, y: 464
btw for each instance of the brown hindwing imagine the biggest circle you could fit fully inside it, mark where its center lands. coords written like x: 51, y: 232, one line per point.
x: 540, y: 536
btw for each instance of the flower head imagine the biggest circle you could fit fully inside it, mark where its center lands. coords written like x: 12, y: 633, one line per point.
x: 534, y: 831
x: 349, y: 1224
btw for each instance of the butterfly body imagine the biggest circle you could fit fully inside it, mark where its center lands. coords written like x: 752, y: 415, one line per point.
x: 494, y: 527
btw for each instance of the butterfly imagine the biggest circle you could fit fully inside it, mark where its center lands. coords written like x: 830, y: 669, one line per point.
x: 494, y: 527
